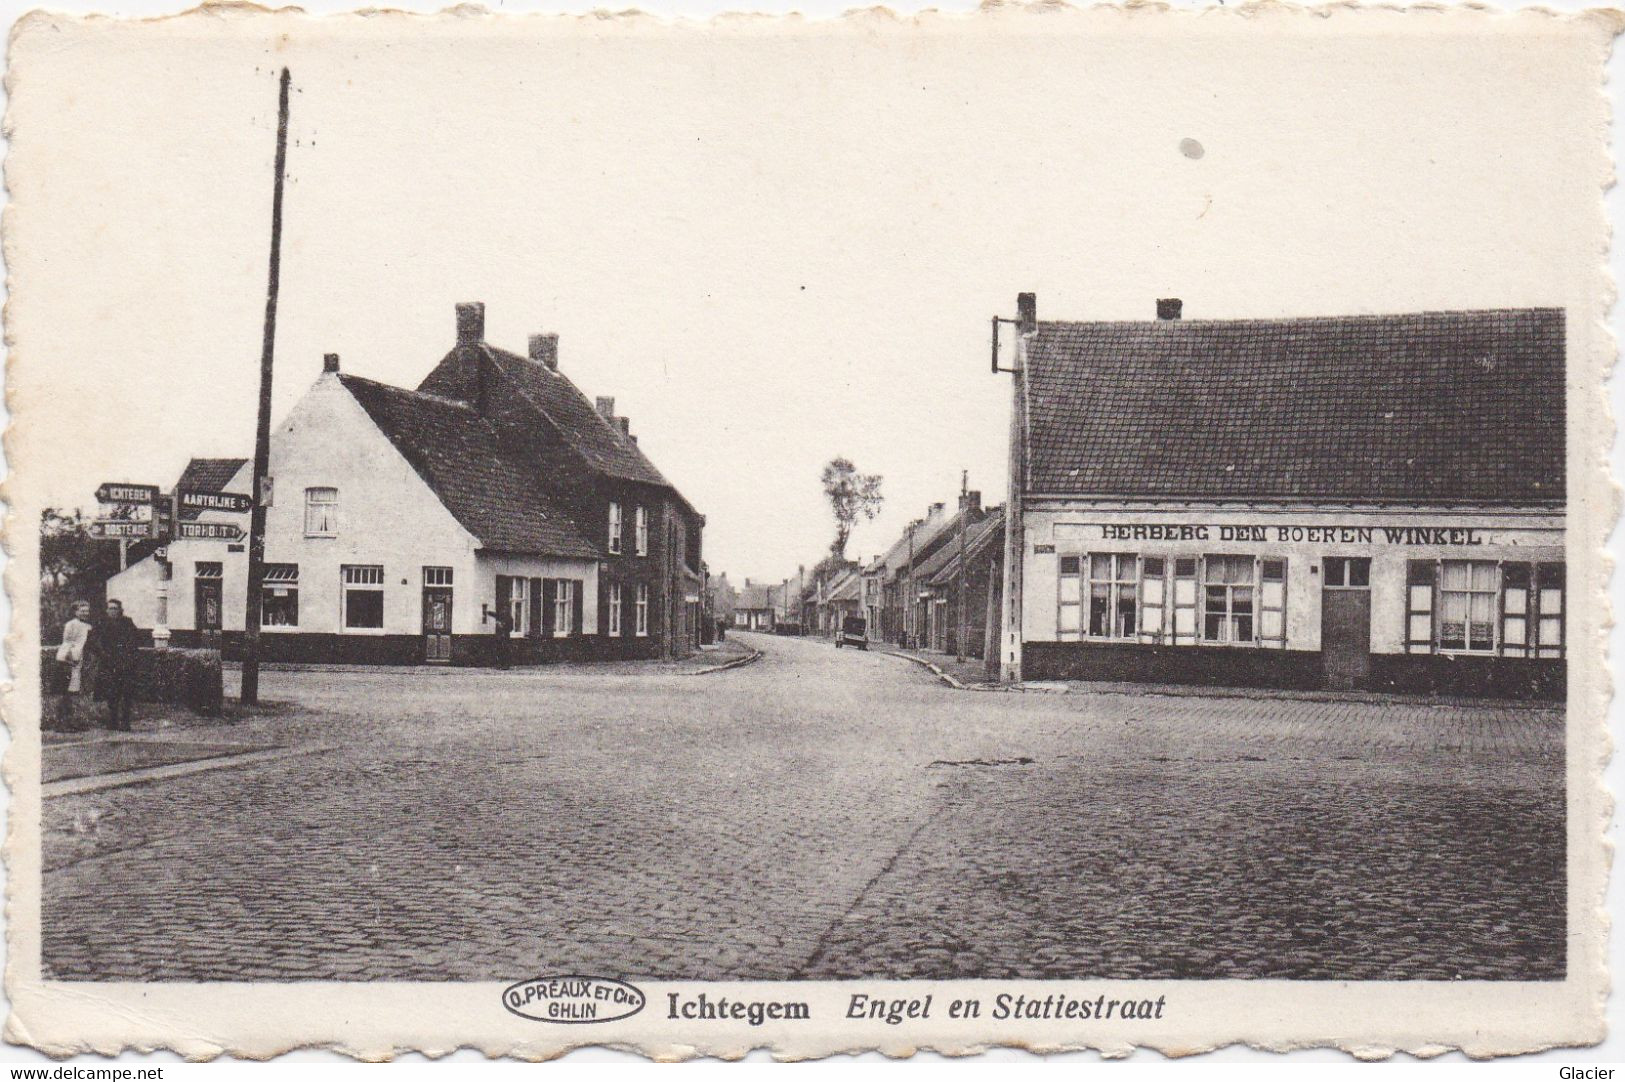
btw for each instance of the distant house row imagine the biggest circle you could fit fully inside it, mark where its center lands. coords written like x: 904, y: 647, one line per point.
x: 1357, y: 502
x: 403, y: 521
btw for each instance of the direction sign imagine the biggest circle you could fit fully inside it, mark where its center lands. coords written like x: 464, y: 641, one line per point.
x: 121, y: 529
x: 209, y: 531
x: 123, y: 492
x: 215, y: 501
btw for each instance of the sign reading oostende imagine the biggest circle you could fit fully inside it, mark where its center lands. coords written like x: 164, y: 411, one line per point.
x: 573, y: 999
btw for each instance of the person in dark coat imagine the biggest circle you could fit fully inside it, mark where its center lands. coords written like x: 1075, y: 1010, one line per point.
x: 116, y: 645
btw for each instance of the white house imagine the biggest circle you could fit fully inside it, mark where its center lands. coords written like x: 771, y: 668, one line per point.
x: 1354, y: 501
x: 400, y: 521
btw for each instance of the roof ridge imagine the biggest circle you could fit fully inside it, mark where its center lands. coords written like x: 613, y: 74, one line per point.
x: 1346, y: 317
x: 412, y: 392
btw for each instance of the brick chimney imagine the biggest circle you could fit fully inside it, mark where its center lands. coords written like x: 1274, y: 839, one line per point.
x: 606, y: 408
x: 1027, y: 312
x: 936, y: 509
x: 626, y: 425
x: 544, y: 350
x: 470, y: 323
x: 971, y: 500
x: 330, y: 362
x: 1169, y: 308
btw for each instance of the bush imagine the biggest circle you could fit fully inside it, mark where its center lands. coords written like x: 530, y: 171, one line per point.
x: 189, y: 678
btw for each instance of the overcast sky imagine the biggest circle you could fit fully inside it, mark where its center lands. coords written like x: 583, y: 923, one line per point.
x: 769, y: 249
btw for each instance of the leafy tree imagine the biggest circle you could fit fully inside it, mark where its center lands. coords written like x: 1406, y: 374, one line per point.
x: 74, y: 565
x: 850, y: 494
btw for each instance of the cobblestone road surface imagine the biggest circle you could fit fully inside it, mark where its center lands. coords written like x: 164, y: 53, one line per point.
x: 821, y: 813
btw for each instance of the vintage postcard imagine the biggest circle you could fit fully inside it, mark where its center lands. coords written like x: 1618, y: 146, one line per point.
x: 1069, y: 528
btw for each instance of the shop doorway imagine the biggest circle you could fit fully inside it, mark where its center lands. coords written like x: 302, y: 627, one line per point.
x: 437, y: 615
x: 1345, y: 622
x: 206, y: 603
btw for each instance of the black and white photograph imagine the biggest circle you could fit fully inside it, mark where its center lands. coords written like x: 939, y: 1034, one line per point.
x: 1064, y: 528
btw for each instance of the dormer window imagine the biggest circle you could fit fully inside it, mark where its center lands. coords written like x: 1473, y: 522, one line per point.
x: 614, y: 527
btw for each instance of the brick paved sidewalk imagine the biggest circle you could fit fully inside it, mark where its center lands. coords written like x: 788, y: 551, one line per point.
x: 708, y: 657
x: 972, y: 674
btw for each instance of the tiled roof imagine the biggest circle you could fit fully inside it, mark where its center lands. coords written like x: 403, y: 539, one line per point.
x: 492, y: 489
x: 601, y: 444
x: 897, y: 557
x: 949, y: 537
x: 845, y: 588
x: 208, y: 475
x: 754, y: 596
x: 1426, y: 407
x: 979, y: 539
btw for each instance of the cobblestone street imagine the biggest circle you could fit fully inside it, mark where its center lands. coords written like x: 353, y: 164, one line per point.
x: 821, y: 813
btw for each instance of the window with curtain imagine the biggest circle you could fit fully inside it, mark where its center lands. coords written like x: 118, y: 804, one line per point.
x: 1469, y: 591
x: 321, y: 512
x: 1228, y: 599
x: 1113, y: 586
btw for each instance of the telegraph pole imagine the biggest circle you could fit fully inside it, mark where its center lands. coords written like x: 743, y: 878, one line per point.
x: 250, y: 692
x: 964, y: 509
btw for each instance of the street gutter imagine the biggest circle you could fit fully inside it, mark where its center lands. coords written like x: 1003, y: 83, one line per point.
x: 736, y: 663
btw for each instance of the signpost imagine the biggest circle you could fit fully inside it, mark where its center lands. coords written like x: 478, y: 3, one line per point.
x: 123, y: 492
x: 208, y: 531
x: 192, y: 500
x: 121, y: 529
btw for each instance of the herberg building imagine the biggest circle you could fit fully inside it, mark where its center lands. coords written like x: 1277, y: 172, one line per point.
x: 1370, y: 501
x: 403, y: 520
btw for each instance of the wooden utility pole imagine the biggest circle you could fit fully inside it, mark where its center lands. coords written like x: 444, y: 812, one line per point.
x: 250, y: 692
x: 908, y: 593
x: 959, y: 622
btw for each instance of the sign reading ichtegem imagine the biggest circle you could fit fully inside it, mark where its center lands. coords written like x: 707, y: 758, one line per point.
x: 124, y: 492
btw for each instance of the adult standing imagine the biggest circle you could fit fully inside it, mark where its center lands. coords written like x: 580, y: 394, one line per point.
x: 116, y: 645
x: 70, y: 657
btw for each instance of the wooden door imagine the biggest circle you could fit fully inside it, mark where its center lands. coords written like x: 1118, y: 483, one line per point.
x: 1345, y: 636
x: 206, y: 611
x: 437, y: 624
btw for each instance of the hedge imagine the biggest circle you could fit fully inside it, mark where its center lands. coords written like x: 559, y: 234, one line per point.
x: 184, y: 677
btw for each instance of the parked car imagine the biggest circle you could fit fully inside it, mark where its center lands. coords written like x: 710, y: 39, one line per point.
x: 854, y: 632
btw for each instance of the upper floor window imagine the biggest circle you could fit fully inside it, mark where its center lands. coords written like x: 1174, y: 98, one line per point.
x: 321, y: 512
x: 643, y: 531
x: 614, y: 527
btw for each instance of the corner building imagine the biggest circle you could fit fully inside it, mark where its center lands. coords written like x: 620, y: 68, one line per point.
x: 1360, y: 502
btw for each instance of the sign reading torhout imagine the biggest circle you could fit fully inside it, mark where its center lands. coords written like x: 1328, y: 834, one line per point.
x: 573, y: 999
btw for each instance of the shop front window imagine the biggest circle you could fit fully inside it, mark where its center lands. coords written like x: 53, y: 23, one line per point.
x: 1227, y: 605
x: 279, y: 596
x: 1507, y: 608
x: 363, y: 597
x: 1468, y: 590
x: 1113, y: 584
